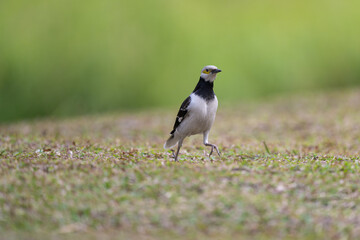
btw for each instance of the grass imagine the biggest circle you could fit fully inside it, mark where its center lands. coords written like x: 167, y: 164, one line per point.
x: 289, y: 169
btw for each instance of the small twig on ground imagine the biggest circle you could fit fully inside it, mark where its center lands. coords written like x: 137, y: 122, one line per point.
x: 266, y: 147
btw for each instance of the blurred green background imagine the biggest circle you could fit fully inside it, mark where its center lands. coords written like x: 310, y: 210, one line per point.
x: 61, y: 58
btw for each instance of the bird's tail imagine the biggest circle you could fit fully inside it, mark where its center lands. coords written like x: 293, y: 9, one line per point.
x: 172, y: 141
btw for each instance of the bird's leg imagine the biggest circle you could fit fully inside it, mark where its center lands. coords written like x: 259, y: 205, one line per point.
x: 178, y: 150
x: 206, y: 136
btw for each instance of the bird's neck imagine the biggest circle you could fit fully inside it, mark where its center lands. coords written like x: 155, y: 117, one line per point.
x: 204, y: 84
x: 205, y: 89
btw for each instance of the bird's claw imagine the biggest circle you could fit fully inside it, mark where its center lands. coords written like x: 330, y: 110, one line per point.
x: 174, y: 156
x: 173, y: 153
x: 212, y: 149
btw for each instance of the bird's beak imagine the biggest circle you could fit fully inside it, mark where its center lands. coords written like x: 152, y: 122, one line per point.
x: 216, y: 71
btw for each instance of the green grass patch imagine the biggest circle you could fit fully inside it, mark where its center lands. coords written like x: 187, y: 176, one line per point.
x: 109, y: 176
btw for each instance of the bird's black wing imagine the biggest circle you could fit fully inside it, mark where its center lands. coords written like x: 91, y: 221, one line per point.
x: 182, y: 113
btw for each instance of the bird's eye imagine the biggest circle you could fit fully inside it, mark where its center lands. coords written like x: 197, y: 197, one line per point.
x: 207, y: 70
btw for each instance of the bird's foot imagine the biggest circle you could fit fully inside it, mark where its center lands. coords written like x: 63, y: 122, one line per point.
x: 212, y: 149
x: 174, y: 156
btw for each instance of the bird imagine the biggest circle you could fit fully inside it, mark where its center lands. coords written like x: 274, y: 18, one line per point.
x: 197, y: 112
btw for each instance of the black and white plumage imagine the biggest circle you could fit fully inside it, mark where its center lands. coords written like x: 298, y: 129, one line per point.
x: 197, y: 113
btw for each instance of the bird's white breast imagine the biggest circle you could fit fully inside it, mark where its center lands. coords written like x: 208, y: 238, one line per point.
x: 201, y: 116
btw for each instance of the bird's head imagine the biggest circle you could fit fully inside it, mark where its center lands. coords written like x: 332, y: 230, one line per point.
x: 208, y: 73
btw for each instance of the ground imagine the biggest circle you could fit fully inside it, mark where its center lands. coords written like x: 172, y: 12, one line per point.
x: 289, y: 169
